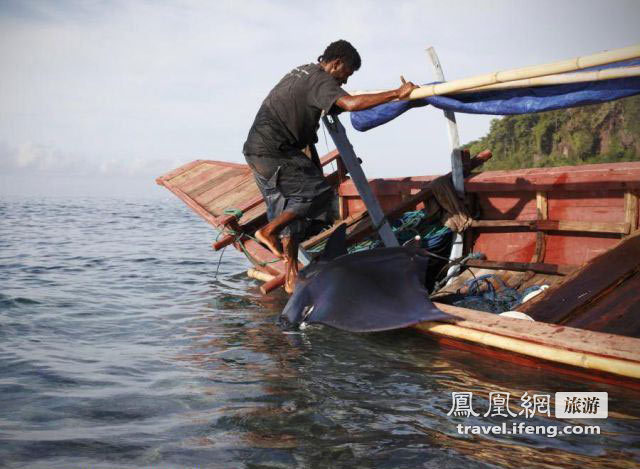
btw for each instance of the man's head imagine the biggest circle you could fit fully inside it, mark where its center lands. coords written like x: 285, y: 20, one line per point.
x: 340, y: 59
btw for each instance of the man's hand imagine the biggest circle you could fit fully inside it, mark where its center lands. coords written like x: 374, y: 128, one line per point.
x: 360, y: 102
x: 405, y: 89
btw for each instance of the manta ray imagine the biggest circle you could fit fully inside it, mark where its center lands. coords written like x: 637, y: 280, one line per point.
x: 375, y: 290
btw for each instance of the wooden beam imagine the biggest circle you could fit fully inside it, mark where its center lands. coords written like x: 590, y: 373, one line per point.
x: 587, y: 226
x: 541, y: 205
x: 542, y: 213
x: 631, y: 210
x: 556, y: 225
x: 272, y: 284
x: 503, y: 223
x: 553, y: 269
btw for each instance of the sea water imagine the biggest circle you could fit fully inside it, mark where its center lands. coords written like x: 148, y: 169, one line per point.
x: 127, y: 342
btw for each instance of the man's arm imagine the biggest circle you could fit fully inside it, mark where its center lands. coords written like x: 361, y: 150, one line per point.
x: 360, y: 102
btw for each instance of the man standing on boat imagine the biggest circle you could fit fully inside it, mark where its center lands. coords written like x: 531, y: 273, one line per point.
x: 280, y: 147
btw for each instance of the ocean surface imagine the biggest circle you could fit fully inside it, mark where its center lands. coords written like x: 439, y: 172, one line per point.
x: 120, y: 347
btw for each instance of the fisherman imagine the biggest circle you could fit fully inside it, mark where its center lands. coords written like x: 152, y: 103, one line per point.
x: 280, y: 147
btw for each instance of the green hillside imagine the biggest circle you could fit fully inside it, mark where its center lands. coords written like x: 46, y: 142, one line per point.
x: 601, y: 133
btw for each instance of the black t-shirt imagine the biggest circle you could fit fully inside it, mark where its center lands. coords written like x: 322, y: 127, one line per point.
x: 289, y: 116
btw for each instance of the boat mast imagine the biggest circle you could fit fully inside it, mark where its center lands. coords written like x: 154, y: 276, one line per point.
x: 456, y: 159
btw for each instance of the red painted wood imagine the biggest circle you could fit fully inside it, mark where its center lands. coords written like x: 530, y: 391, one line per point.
x: 225, y: 185
x: 261, y: 256
x: 224, y: 242
x: 584, y: 178
x: 208, y: 175
x: 572, y: 248
x: 214, y: 180
x: 596, y: 206
x: 329, y: 157
x: 176, y: 172
x: 194, y: 206
x: 507, y: 245
x: 507, y: 206
x: 385, y: 186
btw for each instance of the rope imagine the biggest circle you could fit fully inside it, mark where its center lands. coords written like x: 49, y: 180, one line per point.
x: 492, y: 300
x: 237, y: 213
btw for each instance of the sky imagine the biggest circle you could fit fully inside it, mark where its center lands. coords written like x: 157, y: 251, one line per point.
x: 98, y: 98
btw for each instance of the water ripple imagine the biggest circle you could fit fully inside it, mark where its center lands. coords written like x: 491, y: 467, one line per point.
x: 120, y: 347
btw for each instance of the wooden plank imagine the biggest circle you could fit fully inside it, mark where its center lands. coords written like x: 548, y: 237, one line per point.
x: 179, y: 170
x: 507, y: 206
x: 194, y: 206
x: 388, y: 186
x: 350, y: 221
x: 568, y: 178
x: 214, y: 183
x: 562, y: 337
x: 506, y: 245
x: 330, y: 157
x: 585, y: 286
x: 539, y: 267
x: 555, y: 225
x: 616, y: 313
x: 595, y: 206
x: 503, y: 223
x: 192, y: 186
x: 183, y: 179
x: 586, y: 226
x: 631, y: 209
x: 243, y: 191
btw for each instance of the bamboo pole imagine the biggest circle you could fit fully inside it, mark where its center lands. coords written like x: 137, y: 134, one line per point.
x: 546, y: 80
x: 544, y: 352
x: 569, y: 65
x: 560, y: 79
x: 259, y: 275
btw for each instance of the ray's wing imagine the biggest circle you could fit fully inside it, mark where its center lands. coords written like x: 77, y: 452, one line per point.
x: 378, y: 290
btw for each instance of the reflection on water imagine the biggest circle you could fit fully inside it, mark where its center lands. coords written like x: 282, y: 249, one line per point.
x: 121, y: 348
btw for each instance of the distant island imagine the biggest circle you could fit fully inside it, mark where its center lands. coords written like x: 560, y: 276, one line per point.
x: 600, y: 133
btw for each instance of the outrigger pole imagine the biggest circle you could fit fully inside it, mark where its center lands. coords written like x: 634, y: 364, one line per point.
x: 352, y: 163
x: 457, y: 173
x: 569, y: 65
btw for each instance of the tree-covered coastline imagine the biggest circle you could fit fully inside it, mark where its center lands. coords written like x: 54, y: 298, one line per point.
x: 600, y: 133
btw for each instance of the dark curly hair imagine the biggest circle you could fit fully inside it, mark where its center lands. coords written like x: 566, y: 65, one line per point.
x: 342, y: 49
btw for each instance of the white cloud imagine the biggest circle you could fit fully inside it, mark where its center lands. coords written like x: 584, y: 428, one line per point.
x: 121, y: 87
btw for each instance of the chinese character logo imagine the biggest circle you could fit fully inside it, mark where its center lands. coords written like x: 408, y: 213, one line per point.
x: 462, y: 405
x: 582, y: 405
x: 499, y: 405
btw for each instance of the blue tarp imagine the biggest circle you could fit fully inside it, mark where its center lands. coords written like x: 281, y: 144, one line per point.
x: 509, y: 102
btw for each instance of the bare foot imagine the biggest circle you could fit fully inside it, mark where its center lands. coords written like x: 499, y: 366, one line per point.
x: 270, y: 242
x: 290, y: 280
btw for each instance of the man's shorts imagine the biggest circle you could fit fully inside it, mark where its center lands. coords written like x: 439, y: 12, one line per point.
x: 292, y: 183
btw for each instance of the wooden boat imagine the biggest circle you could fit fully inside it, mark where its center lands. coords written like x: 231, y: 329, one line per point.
x: 574, y: 228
